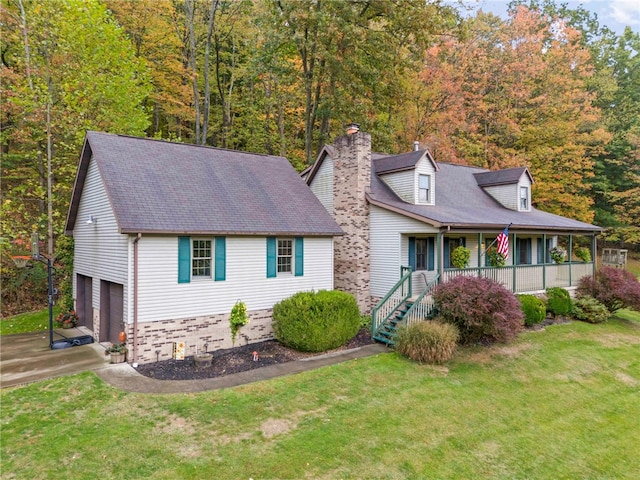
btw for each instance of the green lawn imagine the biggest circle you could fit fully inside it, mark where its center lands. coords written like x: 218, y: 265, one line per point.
x: 558, y: 403
x: 27, y: 322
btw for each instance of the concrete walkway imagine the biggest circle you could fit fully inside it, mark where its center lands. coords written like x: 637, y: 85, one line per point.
x: 26, y: 358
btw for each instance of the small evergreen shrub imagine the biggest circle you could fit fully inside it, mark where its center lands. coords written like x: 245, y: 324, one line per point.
x: 428, y: 342
x: 559, y: 301
x: 482, y: 309
x: 533, y: 308
x: 316, y: 321
x: 614, y: 287
x: 588, y: 309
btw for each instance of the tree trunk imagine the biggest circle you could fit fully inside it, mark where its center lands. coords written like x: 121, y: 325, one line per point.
x: 207, y: 93
x: 189, y: 17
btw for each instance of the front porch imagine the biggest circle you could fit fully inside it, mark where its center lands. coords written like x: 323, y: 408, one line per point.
x: 403, y: 305
x: 528, y: 278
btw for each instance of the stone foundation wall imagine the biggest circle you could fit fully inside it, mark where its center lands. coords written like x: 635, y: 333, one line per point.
x: 155, y: 339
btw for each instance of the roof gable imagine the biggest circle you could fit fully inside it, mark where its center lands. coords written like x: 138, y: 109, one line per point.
x: 405, y: 161
x: 502, y: 177
x: 156, y: 186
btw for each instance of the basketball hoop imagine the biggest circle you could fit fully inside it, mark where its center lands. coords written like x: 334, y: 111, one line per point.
x: 21, y: 260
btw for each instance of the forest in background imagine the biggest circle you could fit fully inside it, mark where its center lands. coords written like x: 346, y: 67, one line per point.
x: 548, y: 88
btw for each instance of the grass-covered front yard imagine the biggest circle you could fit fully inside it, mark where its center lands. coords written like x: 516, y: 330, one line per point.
x: 559, y: 403
x: 27, y: 322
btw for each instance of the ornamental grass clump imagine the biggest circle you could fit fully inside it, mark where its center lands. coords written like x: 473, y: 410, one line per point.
x: 428, y: 342
x: 533, y: 308
x: 614, y: 287
x: 316, y: 321
x: 588, y: 309
x: 482, y: 309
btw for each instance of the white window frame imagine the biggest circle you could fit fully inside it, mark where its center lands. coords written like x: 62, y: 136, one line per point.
x: 284, y: 259
x: 525, y: 204
x: 427, y: 196
x: 201, y: 263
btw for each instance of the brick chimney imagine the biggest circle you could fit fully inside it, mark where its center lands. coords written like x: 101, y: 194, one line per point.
x: 351, y: 181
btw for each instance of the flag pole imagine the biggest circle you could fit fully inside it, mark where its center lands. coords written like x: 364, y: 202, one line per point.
x: 494, y: 241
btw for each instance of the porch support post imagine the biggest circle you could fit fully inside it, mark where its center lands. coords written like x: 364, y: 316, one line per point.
x: 569, y: 258
x: 480, y: 251
x: 594, y: 251
x: 544, y: 261
x: 513, y: 262
x: 440, y: 257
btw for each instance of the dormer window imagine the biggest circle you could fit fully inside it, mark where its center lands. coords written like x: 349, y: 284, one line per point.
x: 424, y: 188
x: 524, y: 198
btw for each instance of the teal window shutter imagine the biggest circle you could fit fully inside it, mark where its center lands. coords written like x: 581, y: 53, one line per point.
x: 271, y: 257
x: 299, y: 253
x: 184, y: 259
x: 412, y: 253
x: 220, y: 259
x: 431, y: 250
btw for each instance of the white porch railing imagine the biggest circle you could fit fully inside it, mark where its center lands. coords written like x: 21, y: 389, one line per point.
x: 528, y: 278
x: 423, y: 306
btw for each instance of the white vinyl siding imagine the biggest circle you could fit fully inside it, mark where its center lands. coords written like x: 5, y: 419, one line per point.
x: 322, y: 184
x: 390, y: 247
x: 100, y: 251
x: 403, y: 184
x: 509, y: 195
x: 161, y: 297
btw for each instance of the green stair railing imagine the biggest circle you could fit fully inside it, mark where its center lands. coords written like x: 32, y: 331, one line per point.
x: 423, y: 306
x: 387, y: 307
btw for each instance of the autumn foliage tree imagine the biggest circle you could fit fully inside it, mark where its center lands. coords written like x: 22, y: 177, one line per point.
x: 513, y: 93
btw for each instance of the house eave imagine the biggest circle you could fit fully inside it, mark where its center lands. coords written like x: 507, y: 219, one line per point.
x: 403, y: 212
x: 135, y: 231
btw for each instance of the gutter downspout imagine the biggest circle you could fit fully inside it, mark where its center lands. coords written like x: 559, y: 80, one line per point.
x: 135, y: 298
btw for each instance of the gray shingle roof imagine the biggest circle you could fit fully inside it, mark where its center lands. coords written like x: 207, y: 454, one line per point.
x: 462, y: 203
x: 500, y: 177
x: 398, y: 163
x: 163, y: 187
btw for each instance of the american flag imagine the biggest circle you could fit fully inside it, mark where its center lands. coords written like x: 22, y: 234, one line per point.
x: 503, y: 242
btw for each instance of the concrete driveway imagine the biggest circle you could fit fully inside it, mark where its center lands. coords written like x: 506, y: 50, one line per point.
x: 26, y: 357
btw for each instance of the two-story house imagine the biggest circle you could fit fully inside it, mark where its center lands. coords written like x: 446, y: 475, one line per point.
x: 403, y: 215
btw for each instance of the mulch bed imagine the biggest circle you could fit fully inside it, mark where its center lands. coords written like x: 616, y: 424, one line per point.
x: 238, y: 359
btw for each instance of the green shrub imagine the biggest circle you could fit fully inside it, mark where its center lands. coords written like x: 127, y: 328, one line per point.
x: 316, y: 321
x: 428, y: 342
x: 559, y: 301
x: 588, y: 309
x: 533, y: 308
x: 460, y: 257
x: 482, y: 309
x: 583, y: 253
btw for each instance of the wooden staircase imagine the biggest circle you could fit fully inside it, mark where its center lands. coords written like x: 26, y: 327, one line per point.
x: 387, y: 332
x: 398, y: 308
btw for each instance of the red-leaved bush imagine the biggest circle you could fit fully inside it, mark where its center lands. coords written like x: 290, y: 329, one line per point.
x: 614, y: 287
x: 482, y: 309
